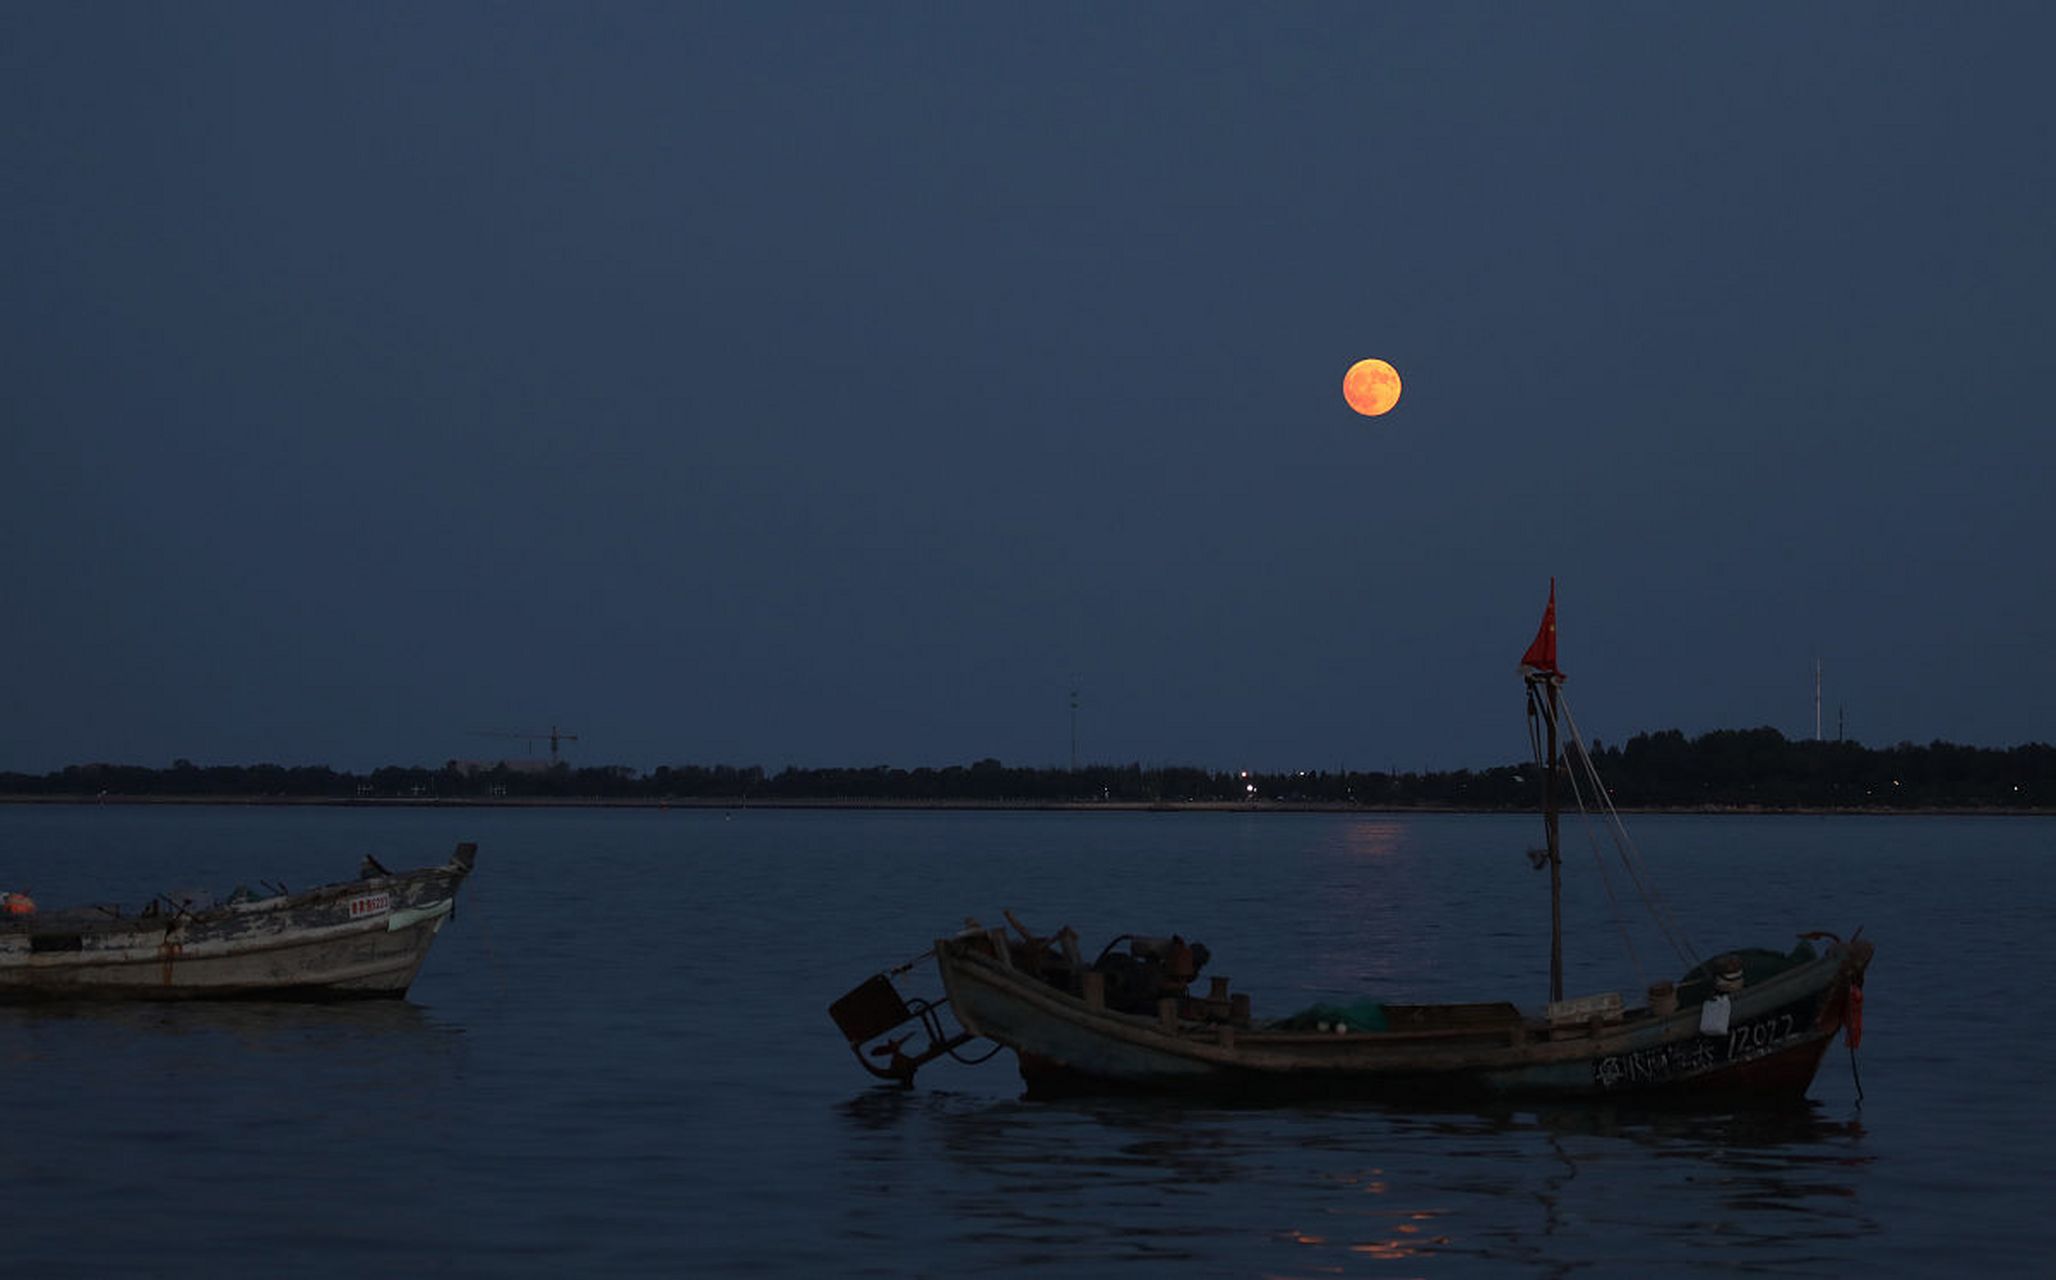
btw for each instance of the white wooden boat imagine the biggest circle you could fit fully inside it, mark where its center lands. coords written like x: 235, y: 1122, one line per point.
x: 1744, y: 1026
x: 363, y: 938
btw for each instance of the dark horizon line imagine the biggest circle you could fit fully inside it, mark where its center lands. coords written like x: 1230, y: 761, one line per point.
x: 532, y: 764
x: 1753, y: 767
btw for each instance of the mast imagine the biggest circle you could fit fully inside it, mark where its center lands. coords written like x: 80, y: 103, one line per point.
x: 1549, y: 831
x: 1538, y: 667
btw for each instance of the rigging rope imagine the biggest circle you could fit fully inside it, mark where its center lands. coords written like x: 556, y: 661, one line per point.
x: 1535, y: 729
x: 1624, y: 845
x: 1620, y: 918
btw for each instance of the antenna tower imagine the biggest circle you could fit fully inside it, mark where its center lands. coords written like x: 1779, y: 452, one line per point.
x: 1074, y: 726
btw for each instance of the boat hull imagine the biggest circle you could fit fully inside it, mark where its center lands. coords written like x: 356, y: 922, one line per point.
x: 363, y: 939
x: 1776, y: 1036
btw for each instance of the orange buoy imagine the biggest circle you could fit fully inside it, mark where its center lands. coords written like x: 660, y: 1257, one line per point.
x: 17, y: 904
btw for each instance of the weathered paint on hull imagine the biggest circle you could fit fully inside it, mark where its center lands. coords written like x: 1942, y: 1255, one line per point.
x: 364, y: 939
x: 1778, y: 1034
x: 363, y: 964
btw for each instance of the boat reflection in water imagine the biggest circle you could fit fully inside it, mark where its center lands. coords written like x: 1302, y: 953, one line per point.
x: 258, y: 1023
x: 1306, y: 1190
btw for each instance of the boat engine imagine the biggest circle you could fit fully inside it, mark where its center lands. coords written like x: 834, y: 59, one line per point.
x: 1149, y: 970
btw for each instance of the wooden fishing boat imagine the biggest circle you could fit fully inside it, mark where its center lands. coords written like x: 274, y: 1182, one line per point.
x: 1743, y: 1026
x: 363, y: 938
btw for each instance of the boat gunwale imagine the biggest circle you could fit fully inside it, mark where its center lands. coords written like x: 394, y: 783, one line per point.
x: 83, y: 921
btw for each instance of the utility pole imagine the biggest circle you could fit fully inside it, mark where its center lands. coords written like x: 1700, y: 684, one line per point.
x: 1074, y: 726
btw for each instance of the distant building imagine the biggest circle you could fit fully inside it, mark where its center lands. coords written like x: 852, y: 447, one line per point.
x: 470, y: 768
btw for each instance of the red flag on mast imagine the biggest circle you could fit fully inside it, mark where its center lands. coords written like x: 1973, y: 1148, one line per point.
x: 1541, y: 655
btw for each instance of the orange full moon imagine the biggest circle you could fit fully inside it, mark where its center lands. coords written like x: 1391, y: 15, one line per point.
x: 1371, y: 387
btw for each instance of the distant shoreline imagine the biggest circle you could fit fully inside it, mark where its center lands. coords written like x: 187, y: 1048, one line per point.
x: 1724, y: 771
x: 976, y: 806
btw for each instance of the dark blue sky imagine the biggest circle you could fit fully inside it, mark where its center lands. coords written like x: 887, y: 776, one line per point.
x: 809, y: 384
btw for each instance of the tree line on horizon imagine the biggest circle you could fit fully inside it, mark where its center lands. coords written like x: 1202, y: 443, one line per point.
x: 1724, y: 768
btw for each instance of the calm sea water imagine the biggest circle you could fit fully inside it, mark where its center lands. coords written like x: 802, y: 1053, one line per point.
x: 618, y: 1061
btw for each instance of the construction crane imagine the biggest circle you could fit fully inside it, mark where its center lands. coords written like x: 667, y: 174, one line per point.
x: 555, y: 735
